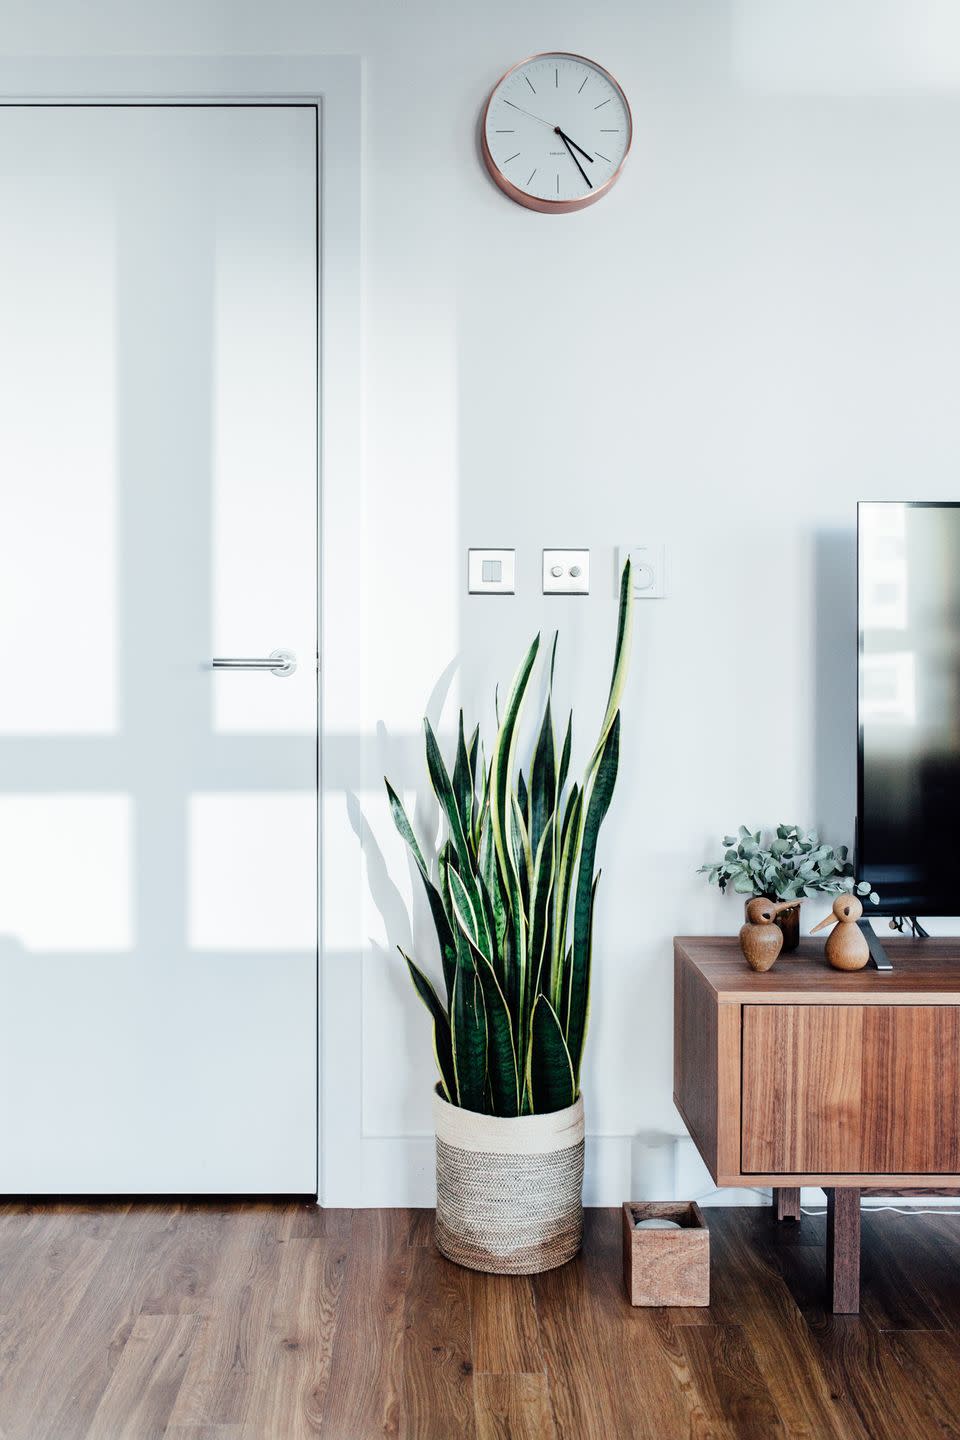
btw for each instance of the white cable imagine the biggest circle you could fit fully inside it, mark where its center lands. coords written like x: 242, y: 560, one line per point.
x: 868, y: 1209
x: 894, y: 1209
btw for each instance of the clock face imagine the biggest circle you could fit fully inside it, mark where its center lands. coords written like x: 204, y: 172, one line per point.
x: 556, y: 131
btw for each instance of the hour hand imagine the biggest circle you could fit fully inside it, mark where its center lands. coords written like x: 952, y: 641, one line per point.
x: 574, y: 158
x: 568, y: 142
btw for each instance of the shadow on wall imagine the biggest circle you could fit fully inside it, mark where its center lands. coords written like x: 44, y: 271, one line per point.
x: 834, y: 681
x: 401, y: 760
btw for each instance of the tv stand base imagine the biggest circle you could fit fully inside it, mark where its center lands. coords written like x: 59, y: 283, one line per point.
x: 878, y: 956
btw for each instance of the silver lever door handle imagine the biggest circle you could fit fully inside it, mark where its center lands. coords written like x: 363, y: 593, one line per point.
x: 278, y: 662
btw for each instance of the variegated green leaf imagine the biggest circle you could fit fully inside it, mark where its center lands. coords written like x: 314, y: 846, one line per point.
x: 566, y: 869
x: 462, y: 782
x: 544, y: 875
x: 442, y: 1047
x: 443, y: 788
x: 565, y: 756
x: 469, y: 1039
x: 621, y: 663
x: 597, y: 806
x: 551, y: 1084
x: 503, y: 757
x: 501, y: 1048
x: 543, y: 780
x: 490, y: 878
x: 445, y: 938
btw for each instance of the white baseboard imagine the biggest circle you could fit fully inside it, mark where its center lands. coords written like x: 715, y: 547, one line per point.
x: 388, y: 1171
x: 400, y: 1171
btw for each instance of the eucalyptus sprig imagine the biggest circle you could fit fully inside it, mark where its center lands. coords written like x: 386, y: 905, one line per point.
x: 794, y: 864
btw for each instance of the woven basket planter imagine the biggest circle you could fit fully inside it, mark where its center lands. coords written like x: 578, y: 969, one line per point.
x: 509, y: 1192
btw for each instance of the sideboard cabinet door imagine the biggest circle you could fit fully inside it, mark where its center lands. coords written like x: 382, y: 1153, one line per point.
x: 851, y: 1089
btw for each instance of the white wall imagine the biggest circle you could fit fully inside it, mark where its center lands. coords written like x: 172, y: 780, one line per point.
x: 757, y: 327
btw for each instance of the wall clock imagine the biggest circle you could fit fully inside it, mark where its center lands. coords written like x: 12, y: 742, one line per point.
x: 555, y: 132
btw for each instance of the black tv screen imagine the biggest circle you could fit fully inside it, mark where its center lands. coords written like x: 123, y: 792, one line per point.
x: 908, y: 772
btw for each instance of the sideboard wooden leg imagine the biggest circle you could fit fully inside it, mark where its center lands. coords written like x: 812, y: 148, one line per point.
x: 786, y: 1202
x: 843, y: 1249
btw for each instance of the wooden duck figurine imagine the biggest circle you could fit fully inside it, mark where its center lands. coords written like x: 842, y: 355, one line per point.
x: 847, y: 947
x: 760, y: 940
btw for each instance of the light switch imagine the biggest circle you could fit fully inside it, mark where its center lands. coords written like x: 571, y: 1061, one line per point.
x: 491, y: 572
x: 649, y: 566
x: 566, y: 572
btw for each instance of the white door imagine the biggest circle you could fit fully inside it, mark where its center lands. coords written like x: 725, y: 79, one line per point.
x: 158, y: 492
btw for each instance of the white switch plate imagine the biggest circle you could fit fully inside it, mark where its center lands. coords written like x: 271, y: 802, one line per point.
x: 574, y: 568
x: 649, y: 569
x: 500, y: 563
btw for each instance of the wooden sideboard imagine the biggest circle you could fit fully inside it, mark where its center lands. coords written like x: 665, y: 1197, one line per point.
x: 806, y: 1075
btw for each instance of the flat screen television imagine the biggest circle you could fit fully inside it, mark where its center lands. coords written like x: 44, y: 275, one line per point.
x: 908, y: 764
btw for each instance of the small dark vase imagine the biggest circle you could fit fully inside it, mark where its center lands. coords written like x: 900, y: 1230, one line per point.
x: 789, y: 922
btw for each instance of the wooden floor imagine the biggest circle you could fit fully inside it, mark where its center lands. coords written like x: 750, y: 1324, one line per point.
x: 248, y: 1322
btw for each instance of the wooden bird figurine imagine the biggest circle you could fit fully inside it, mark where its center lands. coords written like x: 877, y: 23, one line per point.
x: 760, y: 940
x: 847, y: 947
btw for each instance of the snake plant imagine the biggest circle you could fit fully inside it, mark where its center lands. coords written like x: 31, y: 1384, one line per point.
x: 513, y: 898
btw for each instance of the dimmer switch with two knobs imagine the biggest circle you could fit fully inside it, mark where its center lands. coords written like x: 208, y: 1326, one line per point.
x: 566, y: 572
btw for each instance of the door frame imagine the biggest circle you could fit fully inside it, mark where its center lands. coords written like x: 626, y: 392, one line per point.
x: 334, y: 84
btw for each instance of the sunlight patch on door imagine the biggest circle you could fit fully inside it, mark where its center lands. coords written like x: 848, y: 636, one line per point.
x: 66, y: 863
x: 58, y: 621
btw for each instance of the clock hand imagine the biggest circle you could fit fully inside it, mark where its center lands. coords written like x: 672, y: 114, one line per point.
x: 529, y: 112
x: 574, y: 158
x: 568, y: 142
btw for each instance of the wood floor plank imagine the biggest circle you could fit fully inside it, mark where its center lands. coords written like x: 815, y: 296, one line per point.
x: 437, y: 1349
x: 733, y: 1399
x: 613, y: 1370
x: 291, y: 1367
x: 363, y: 1397
x: 748, y: 1289
x: 286, y: 1322
x: 202, y: 1432
x: 137, y: 1402
x: 421, y: 1227
x: 889, y: 1297
x: 930, y: 1361
x: 926, y: 1250
x: 513, y: 1407
x: 50, y: 1382
x: 218, y: 1384
x: 312, y: 1222
x: 856, y: 1356
x: 506, y: 1332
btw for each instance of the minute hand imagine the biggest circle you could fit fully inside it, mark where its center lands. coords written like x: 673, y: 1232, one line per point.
x: 574, y: 159
x: 567, y: 141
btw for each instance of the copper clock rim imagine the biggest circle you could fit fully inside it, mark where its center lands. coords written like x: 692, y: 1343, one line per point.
x: 522, y: 197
